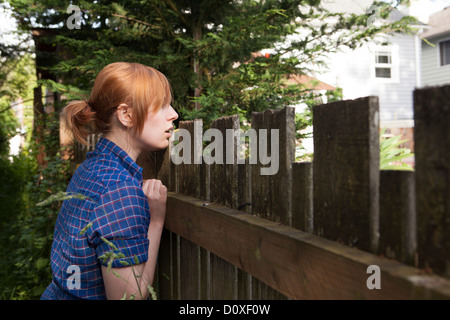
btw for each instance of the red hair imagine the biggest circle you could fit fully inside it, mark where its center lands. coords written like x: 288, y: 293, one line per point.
x: 141, y: 87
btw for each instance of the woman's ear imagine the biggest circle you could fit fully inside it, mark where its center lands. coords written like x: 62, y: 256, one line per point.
x: 125, y: 115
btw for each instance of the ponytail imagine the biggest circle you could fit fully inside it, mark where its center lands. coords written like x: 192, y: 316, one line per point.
x: 78, y: 116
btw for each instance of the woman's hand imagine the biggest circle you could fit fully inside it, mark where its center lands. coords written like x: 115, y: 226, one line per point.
x: 156, y: 193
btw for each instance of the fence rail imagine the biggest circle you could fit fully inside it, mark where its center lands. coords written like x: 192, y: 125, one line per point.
x: 311, y: 230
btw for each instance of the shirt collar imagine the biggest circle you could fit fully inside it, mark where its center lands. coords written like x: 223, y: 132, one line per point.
x: 106, y: 146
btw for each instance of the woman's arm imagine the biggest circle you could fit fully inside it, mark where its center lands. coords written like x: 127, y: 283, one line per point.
x: 134, y: 280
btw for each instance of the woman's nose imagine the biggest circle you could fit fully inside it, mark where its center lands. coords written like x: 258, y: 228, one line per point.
x: 173, y: 114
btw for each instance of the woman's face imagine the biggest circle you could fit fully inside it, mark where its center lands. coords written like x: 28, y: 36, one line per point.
x: 157, y: 129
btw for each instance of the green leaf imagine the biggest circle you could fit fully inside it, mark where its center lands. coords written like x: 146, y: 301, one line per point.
x: 109, y: 243
x: 41, y: 263
x: 83, y: 231
x: 390, y: 153
x: 61, y: 196
x: 152, y: 291
x: 116, y: 274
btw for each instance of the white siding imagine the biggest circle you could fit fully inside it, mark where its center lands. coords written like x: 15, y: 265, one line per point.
x: 353, y: 71
x: 432, y: 73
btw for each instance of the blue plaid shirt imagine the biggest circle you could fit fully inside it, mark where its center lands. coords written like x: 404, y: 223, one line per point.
x: 115, y: 211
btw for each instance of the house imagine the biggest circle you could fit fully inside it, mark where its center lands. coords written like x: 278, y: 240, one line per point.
x: 436, y: 49
x: 389, y: 67
x: 390, y: 71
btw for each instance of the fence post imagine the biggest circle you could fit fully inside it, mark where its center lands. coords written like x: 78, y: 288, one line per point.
x: 271, y: 193
x: 346, y: 172
x: 224, y: 176
x: 167, y: 275
x: 224, y: 190
x: 189, y: 174
x: 245, y: 187
x: 168, y: 271
x: 165, y: 169
x: 147, y: 161
x: 432, y: 151
x: 302, y: 196
x: 189, y: 182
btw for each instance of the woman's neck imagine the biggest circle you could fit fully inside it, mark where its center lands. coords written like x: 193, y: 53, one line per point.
x: 122, y: 139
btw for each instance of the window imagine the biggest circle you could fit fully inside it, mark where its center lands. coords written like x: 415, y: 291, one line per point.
x: 383, y: 64
x: 444, y: 52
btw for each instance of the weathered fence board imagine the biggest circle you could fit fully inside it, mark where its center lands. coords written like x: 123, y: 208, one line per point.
x: 189, y: 270
x: 346, y: 172
x: 244, y: 187
x: 164, y: 169
x: 167, y: 270
x: 302, y: 196
x: 224, y: 283
x: 432, y: 151
x: 189, y: 173
x: 398, y: 215
x: 206, y: 275
x: 267, y: 189
x: 224, y: 175
x: 224, y: 190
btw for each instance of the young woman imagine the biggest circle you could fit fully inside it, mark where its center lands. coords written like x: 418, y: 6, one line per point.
x: 107, y: 235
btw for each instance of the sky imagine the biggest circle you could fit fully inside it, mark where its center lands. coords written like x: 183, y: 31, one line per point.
x: 422, y: 9
x: 7, y: 24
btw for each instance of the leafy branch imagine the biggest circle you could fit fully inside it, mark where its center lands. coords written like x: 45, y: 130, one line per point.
x: 391, y: 155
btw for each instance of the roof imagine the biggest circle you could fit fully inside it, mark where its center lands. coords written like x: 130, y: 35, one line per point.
x: 439, y: 24
x: 309, y: 82
x: 305, y: 80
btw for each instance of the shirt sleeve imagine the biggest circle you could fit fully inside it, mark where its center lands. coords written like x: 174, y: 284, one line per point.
x: 119, y: 226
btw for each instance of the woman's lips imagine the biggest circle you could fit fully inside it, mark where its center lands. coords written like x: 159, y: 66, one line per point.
x: 169, y: 131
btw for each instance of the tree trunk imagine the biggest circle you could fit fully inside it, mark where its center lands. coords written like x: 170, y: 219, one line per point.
x: 197, y: 32
x: 38, y: 129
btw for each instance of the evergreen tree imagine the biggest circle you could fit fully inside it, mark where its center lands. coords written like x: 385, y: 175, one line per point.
x: 207, y: 48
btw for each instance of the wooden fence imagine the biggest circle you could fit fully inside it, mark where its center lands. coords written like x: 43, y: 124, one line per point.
x: 313, y: 230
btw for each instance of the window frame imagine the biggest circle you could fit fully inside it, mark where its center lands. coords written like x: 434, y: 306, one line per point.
x: 393, y: 64
x: 383, y: 65
x: 439, y: 53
